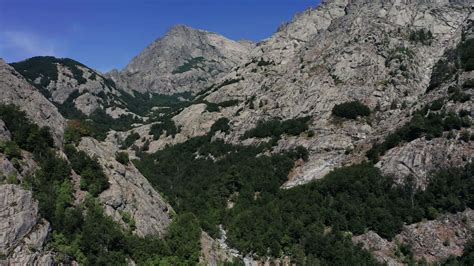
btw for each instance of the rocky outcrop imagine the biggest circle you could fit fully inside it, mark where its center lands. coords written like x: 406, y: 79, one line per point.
x: 212, y: 252
x: 185, y: 59
x: 342, y: 51
x: 22, y: 231
x: 432, y: 241
x: 420, y: 157
x: 129, y: 192
x: 16, y: 90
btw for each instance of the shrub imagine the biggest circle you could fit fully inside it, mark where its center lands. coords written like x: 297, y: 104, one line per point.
x: 437, y: 105
x: 93, y: 179
x: 26, y: 135
x: 274, y: 128
x: 129, y: 140
x: 75, y: 130
x: 222, y: 124
x: 12, y: 178
x: 421, y: 36
x: 122, y: 157
x: 193, y: 63
x: 466, y: 51
x: 351, y: 110
x: 10, y: 149
x: 465, y: 136
x: 166, y: 126
x: 212, y: 107
x: 128, y: 219
x: 423, y: 123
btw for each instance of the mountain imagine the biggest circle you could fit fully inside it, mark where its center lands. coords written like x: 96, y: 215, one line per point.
x: 185, y: 59
x: 16, y: 90
x: 344, y: 138
x: 68, y: 83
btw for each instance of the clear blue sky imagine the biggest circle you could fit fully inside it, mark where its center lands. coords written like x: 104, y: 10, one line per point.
x: 106, y: 34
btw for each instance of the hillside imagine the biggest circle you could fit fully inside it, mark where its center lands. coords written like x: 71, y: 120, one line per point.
x: 345, y: 138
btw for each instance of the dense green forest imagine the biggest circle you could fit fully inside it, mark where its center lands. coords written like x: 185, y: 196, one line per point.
x: 84, y: 233
x: 238, y: 187
x: 311, y: 223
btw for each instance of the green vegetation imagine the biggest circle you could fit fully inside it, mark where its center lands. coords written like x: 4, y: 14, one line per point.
x: 421, y: 36
x: 457, y: 95
x: 142, y: 103
x: 275, y: 128
x: 444, y: 69
x: 84, y: 233
x: 215, y: 107
x: 350, y: 110
x: 466, y: 53
x: 130, y: 140
x: 427, y: 122
x: 222, y: 124
x: 95, y: 125
x: 309, y: 222
x: 122, y: 157
x: 189, y: 169
x: 10, y: 149
x: 193, y: 63
x: 461, y: 58
x: 25, y: 134
x: 45, y: 67
x: 75, y: 130
x: 466, y: 259
x: 166, y: 126
x: 128, y: 219
x: 93, y: 178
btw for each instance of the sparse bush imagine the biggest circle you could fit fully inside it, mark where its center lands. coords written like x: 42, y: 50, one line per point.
x: 122, y: 157
x: 222, y: 124
x: 351, y: 110
x: 274, y: 128
x: 10, y: 149
x: 130, y: 140
x: 422, y: 36
x: 166, y: 126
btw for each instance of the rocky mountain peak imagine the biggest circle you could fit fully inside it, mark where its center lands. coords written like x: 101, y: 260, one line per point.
x: 184, y: 59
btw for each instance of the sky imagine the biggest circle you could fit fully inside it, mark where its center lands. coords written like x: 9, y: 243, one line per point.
x: 107, y: 34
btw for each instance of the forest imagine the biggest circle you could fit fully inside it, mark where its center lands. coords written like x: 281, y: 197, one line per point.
x: 239, y: 187
x: 84, y: 233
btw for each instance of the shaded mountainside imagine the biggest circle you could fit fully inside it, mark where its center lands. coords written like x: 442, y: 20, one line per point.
x: 345, y: 138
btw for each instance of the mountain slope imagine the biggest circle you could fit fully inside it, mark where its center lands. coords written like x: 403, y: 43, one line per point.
x: 69, y: 84
x: 366, y: 55
x: 185, y: 59
x: 16, y: 90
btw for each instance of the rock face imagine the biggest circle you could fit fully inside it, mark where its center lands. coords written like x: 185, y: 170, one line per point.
x: 183, y: 60
x: 432, y: 240
x: 16, y: 90
x: 420, y: 157
x: 129, y: 192
x: 22, y: 231
x: 339, y: 52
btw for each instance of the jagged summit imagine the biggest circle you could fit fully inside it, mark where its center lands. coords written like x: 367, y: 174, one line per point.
x: 184, y: 59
